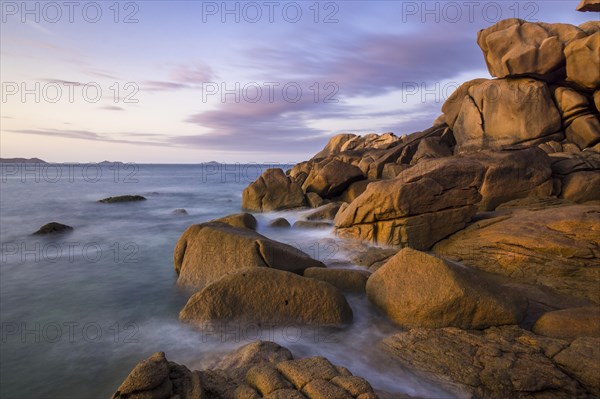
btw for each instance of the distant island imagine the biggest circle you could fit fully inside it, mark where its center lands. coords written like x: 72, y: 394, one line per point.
x: 21, y: 160
x: 110, y: 163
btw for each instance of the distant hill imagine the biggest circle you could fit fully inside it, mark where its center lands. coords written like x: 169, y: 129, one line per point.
x: 21, y: 160
x: 110, y: 163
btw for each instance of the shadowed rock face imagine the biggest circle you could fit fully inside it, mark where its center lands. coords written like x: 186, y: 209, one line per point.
x: 206, y: 252
x: 122, y: 198
x: 501, y: 362
x: 258, y: 370
x: 264, y: 295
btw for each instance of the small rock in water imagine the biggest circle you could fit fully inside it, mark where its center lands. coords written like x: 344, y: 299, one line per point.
x: 179, y: 211
x: 309, y: 224
x: 122, y: 198
x: 280, y: 223
x: 53, y: 228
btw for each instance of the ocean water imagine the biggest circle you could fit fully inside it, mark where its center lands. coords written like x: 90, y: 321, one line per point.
x: 79, y: 310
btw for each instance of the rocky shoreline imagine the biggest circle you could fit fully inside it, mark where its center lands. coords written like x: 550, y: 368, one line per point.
x: 479, y: 239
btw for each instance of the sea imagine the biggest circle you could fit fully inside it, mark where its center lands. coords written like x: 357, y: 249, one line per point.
x: 79, y: 310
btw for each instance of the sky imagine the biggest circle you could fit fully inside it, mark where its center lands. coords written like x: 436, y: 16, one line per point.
x: 235, y: 81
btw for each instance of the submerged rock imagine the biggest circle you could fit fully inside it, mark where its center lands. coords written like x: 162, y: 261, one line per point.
x: 53, y: 228
x: 312, y: 224
x: 179, y: 211
x: 122, y: 198
x: 280, y: 223
x: 263, y: 295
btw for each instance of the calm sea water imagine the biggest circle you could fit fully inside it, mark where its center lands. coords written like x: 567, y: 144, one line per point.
x: 79, y: 310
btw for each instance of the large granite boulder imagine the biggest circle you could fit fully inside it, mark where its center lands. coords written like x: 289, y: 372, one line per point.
x: 418, y: 208
x: 557, y: 247
x: 501, y: 113
x: 583, y: 58
x: 331, y: 177
x: 272, y: 191
x: 207, y: 251
x: 437, y: 197
x: 514, y: 47
x: 258, y: 370
x: 416, y: 289
x: 500, y: 362
x: 264, y: 295
x: 569, y: 323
